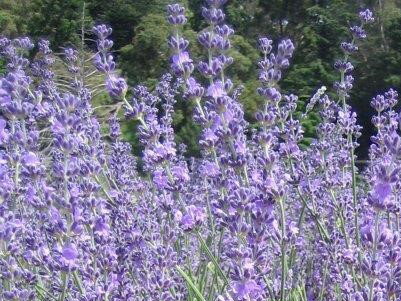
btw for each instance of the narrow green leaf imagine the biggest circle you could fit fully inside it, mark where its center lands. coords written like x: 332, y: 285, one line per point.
x: 191, y: 284
x: 212, y: 258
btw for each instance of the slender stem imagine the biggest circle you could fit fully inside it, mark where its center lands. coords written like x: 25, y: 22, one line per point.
x: 389, y: 220
x: 321, y: 295
x: 198, y: 104
x: 43, y: 292
x: 354, y: 198
x: 352, y: 154
x: 82, y: 69
x: 283, y: 250
x: 191, y: 284
x: 65, y: 277
x: 212, y: 258
x: 78, y: 282
x: 375, y: 241
x: 322, y: 230
x: 299, y: 224
x: 209, y: 210
x: 269, y: 288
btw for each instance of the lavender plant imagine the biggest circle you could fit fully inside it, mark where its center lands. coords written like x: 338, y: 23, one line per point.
x: 256, y: 217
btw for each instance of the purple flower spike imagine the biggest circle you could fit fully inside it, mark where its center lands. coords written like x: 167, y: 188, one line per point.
x: 101, y: 227
x: 366, y: 16
x: 102, y: 31
x: 265, y: 45
x: 358, y: 32
x: 216, y: 90
x: 193, y: 217
x: 246, y: 289
x: 69, y: 255
x: 181, y: 59
x: 116, y: 86
x: 30, y: 160
x: 3, y: 132
x: 176, y: 14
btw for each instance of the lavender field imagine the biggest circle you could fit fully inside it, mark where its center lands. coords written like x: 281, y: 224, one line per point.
x: 261, y: 214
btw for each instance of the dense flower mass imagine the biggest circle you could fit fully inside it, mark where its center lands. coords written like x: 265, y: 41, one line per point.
x: 258, y: 216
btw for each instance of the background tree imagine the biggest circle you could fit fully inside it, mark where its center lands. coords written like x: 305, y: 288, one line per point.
x: 316, y: 26
x: 59, y: 21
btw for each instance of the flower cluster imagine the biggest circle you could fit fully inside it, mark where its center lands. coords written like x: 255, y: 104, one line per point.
x: 104, y: 62
x: 255, y: 217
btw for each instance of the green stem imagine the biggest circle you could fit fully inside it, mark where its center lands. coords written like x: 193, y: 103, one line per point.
x: 321, y: 295
x: 269, y: 289
x: 354, y: 199
x: 283, y: 250
x: 43, y: 292
x: 65, y: 277
x: 78, y: 282
x: 212, y: 258
x: 375, y: 241
x: 191, y: 284
x: 322, y: 230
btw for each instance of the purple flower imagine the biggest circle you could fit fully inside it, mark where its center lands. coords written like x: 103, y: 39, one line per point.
x: 209, y: 169
x: 216, y: 90
x: 285, y: 49
x: 382, y: 190
x: 348, y: 255
x: 265, y: 45
x: 176, y: 14
x: 5, y: 97
x: 181, y: 59
x: 116, y: 86
x: 193, y: 217
x: 195, y: 90
x: 180, y: 173
x: 366, y: 16
x: 30, y: 160
x: 101, y: 227
x: 69, y: 255
x: 3, y: 132
x: 246, y: 289
x: 358, y: 32
x: 102, y: 31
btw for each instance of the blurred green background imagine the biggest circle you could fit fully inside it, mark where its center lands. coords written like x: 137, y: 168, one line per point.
x: 316, y: 26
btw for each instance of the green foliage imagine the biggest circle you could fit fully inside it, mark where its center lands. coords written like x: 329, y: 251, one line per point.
x: 12, y: 17
x: 147, y: 56
x: 2, y: 67
x: 245, y: 58
x: 57, y: 20
x: 317, y: 27
x: 7, y: 23
x: 125, y: 15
